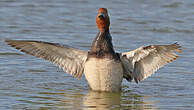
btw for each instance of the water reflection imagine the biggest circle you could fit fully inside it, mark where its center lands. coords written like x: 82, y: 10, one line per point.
x: 101, y: 100
x: 91, y: 100
x: 109, y: 101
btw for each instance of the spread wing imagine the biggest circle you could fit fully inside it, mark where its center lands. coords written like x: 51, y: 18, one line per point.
x: 70, y: 59
x: 144, y: 61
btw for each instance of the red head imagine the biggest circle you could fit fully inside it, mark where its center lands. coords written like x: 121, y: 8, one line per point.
x: 102, y: 19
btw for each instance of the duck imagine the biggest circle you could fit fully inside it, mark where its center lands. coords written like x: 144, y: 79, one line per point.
x: 103, y: 67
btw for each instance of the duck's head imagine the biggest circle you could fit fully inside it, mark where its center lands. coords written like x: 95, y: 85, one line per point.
x: 102, y: 19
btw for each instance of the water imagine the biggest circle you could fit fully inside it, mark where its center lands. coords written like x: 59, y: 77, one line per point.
x: 30, y: 83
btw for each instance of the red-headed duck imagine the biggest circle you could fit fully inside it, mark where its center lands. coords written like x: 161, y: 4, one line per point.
x: 104, y: 69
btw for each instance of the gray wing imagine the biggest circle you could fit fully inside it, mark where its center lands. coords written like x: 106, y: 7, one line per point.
x: 144, y: 61
x: 71, y: 60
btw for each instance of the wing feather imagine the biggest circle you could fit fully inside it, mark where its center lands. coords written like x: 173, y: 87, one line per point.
x: 144, y: 61
x: 71, y: 60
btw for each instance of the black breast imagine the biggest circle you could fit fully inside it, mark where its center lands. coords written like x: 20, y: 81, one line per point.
x: 102, y: 47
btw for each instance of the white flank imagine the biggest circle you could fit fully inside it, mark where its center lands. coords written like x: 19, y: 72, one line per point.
x: 103, y: 74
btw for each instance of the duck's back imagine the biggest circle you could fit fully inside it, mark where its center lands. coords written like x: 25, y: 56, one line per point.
x: 104, y: 74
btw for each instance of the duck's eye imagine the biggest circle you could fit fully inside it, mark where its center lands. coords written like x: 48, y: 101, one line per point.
x: 101, y: 16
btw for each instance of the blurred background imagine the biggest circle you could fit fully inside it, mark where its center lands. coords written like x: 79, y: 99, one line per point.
x: 30, y: 83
